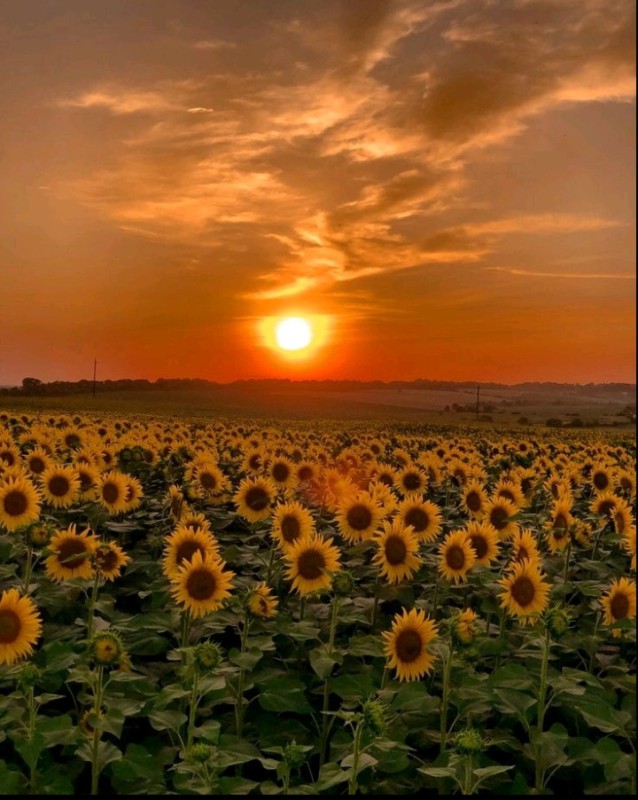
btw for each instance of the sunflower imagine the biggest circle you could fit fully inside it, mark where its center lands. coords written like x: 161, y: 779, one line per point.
x: 558, y: 525
x: 112, y: 491
x: 175, y: 501
x: 290, y: 522
x: 473, y: 499
x: 261, y: 601
x: 382, y: 474
x: 619, y: 602
x: 19, y: 503
x: 71, y: 554
x: 358, y: 517
x: 411, y: 481
x: 629, y: 544
x: 383, y: 495
x: 311, y: 561
x: 509, y: 490
x: 602, y: 479
x: 406, y: 644
x: 207, y: 479
x: 464, y: 627
x: 9, y: 454
x: 202, y: 584
x: 195, y: 521
x: 457, y: 556
x: 622, y: 517
x: 134, y: 492
x: 626, y: 482
x: 423, y: 516
x: 182, y: 545
x: 282, y: 472
x: 525, y: 548
x: 604, y: 504
x: 60, y: 486
x: 397, y: 556
x: 254, y: 498
x: 525, y: 594
x: 20, y: 626
x: 253, y: 461
x: 109, y: 558
x: 89, y: 476
x: 484, y: 541
x: 37, y: 461
x: 306, y: 471
x: 499, y: 513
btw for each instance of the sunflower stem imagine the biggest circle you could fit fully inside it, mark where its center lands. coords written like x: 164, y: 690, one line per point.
x: 97, y: 708
x: 568, y: 551
x: 192, y: 709
x: 325, y: 721
x: 239, y: 705
x: 302, y: 608
x: 435, y: 602
x: 468, y: 788
x: 92, y: 600
x: 501, y: 635
x: 271, y: 561
x: 356, y: 750
x: 185, y: 631
x: 375, y: 607
x: 447, y: 670
x: 31, y: 706
x: 27, y: 569
x: 540, y: 713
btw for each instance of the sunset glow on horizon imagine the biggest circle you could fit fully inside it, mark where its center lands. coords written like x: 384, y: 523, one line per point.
x: 437, y: 190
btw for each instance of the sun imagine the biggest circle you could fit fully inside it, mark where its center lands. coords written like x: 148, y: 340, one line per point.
x: 293, y: 333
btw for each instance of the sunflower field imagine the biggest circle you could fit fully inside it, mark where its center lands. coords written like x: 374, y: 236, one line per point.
x: 196, y: 606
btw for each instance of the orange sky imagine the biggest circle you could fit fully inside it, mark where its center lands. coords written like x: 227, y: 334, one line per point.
x: 448, y: 185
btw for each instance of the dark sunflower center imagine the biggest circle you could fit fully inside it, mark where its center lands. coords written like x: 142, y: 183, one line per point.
x: 310, y: 564
x: 110, y: 492
x: 625, y: 483
x: 619, y: 606
x: 207, y: 480
x: 620, y: 523
x: 418, y: 518
x: 455, y: 557
x: 36, y: 465
x: 72, y: 553
x: 606, y: 507
x: 560, y: 524
x: 201, y: 584
x: 359, y: 517
x: 499, y: 518
x: 408, y: 646
x: 411, y: 482
x: 601, y: 481
x: 473, y: 501
x: 59, y: 485
x: 523, y: 591
x: 10, y: 626
x: 15, y: 503
x: 72, y: 440
x: 480, y: 546
x: 86, y: 481
x: 290, y: 528
x: 254, y: 462
x: 526, y: 485
x: 107, y: 561
x: 506, y: 494
x: 395, y: 550
x: 522, y: 553
x: 186, y: 550
x: 256, y: 498
x: 385, y: 479
x: 280, y: 472
x: 7, y: 457
x: 305, y: 473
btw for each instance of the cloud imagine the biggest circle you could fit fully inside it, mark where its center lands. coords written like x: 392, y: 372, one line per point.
x: 585, y: 276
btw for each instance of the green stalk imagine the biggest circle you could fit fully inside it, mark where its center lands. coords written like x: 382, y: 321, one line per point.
x: 435, y: 603
x: 92, y: 600
x: 27, y: 569
x: 185, y: 630
x: 447, y: 669
x: 32, y: 709
x: 568, y: 551
x: 356, y: 751
x: 192, y: 709
x: 540, y: 711
x: 325, y: 721
x: 270, y: 565
x: 286, y: 787
x: 97, y: 709
x: 467, y: 783
x: 375, y: 607
x: 239, y: 705
x: 302, y: 608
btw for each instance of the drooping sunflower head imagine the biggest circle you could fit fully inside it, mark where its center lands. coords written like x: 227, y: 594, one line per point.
x: 71, y: 554
x: 254, y: 498
x: 619, y: 602
x: 134, y: 492
x: 456, y: 556
x: 629, y: 544
x: 290, y: 522
x: 261, y: 602
x: 406, y: 644
x: 19, y: 503
x: 312, y: 561
x: 202, y: 584
x: 358, y: 517
x: 397, y: 554
x: 464, y: 627
x: 622, y: 517
x: 484, y: 541
x: 20, y: 626
x: 525, y: 594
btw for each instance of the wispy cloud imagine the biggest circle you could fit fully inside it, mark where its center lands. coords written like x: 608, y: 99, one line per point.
x: 581, y: 276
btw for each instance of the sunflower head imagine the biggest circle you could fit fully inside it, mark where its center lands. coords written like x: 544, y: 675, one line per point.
x: 464, y: 627
x: 106, y: 649
x: 207, y: 656
x: 343, y: 583
x: 406, y: 644
x: 557, y: 620
x: 469, y: 742
x: 375, y: 716
x: 261, y: 602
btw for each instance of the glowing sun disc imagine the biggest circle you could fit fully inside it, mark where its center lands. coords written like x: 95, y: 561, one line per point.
x: 293, y: 333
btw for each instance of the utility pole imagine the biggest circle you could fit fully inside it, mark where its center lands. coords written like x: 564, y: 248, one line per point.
x: 94, y: 374
x: 478, y: 392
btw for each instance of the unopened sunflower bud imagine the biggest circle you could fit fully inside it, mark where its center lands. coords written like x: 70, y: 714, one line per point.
x: 464, y: 627
x: 374, y: 716
x: 469, y: 742
x: 40, y: 535
x: 106, y: 649
x: 557, y: 621
x: 294, y: 755
x: 200, y: 753
x: 343, y: 583
x: 207, y: 656
x: 29, y: 675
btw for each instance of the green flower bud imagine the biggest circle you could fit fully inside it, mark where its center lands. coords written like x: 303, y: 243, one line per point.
x: 200, y: 753
x: 29, y: 675
x: 106, y: 649
x: 557, y: 621
x: 343, y: 583
x: 207, y: 656
x: 374, y: 716
x: 294, y: 755
x: 469, y: 742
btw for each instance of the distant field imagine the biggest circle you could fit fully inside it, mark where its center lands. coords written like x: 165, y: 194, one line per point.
x: 504, y: 406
